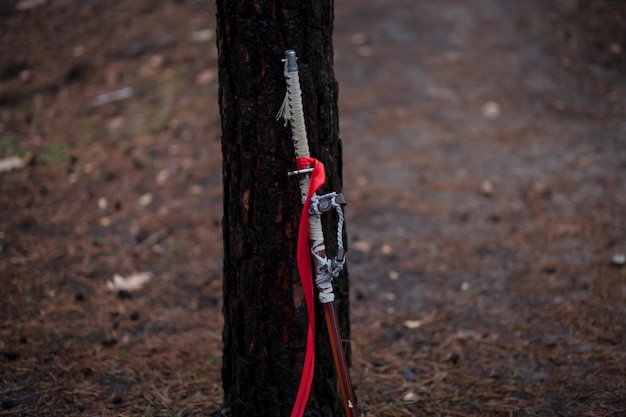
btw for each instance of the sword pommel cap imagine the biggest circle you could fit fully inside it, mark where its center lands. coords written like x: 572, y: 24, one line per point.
x: 292, y: 60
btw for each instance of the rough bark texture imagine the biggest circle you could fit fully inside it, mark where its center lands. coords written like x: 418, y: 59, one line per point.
x: 264, y: 310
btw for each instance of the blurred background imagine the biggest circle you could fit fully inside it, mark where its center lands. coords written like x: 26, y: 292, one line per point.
x: 484, y: 167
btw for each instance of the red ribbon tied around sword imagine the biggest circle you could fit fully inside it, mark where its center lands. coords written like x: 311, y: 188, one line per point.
x: 318, y: 177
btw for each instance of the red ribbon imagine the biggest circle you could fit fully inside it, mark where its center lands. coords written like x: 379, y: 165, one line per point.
x: 318, y: 177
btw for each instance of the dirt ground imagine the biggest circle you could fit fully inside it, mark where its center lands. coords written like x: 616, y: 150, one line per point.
x: 485, y: 171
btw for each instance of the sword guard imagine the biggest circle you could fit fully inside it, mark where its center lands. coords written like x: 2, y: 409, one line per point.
x: 300, y: 171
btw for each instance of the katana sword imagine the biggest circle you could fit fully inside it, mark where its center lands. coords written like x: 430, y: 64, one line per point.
x: 311, y: 177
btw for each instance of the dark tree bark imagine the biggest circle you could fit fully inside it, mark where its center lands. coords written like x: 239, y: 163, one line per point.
x: 264, y: 311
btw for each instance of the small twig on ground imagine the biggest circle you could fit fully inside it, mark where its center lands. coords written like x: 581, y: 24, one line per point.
x: 151, y: 240
x: 117, y: 95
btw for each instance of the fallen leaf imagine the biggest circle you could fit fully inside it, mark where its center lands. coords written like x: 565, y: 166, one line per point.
x: 386, y: 249
x: 619, y: 259
x: 206, y: 76
x: 491, y: 110
x: 362, y: 246
x: 145, y: 200
x: 412, y: 324
x: 11, y: 163
x: 203, y: 35
x: 133, y: 282
x: 410, y: 397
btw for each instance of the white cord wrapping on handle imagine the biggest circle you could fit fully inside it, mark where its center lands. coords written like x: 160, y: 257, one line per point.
x: 291, y: 110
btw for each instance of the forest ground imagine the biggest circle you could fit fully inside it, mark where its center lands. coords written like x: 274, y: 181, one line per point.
x: 484, y: 167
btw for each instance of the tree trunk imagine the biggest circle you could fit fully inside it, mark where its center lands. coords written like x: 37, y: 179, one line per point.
x: 264, y: 310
